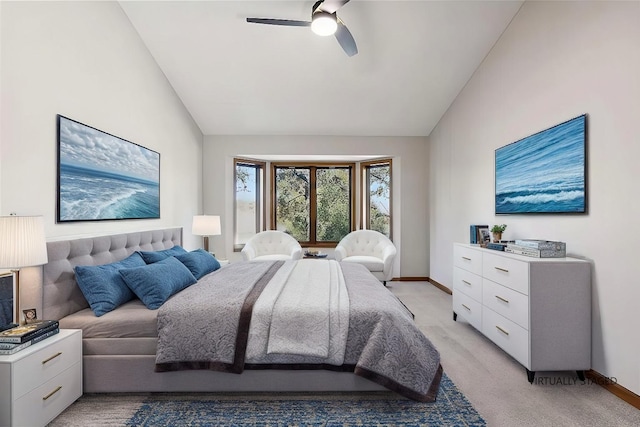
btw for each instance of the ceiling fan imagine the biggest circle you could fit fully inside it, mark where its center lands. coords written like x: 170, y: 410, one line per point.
x: 324, y: 22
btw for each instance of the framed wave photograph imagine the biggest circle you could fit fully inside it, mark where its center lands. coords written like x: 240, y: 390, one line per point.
x: 545, y: 173
x: 104, y: 177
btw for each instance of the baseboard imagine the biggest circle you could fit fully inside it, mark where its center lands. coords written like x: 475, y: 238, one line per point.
x: 440, y: 286
x: 606, y: 383
x: 410, y: 279
x: 423, y: 279
x: 611, y: 386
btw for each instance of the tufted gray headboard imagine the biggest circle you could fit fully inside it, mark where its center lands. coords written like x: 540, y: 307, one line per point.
x: 61, y: 295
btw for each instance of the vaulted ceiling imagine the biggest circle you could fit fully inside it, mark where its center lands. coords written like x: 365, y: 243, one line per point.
x: 237, y: 78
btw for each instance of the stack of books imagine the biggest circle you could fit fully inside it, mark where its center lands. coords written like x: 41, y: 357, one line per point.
x: 496, y: 246
x: 499, y: 246
x: 18, y: 338
x: 476, y: 237
x: 538, y: 248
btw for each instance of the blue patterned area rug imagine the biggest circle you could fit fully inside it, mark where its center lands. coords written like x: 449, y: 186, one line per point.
x: 451, y: 408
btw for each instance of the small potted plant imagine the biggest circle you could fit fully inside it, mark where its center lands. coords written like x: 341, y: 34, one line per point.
x: 497, y: 231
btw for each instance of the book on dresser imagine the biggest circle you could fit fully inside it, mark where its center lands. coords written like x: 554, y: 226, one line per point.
x: 541, y: 244
x: 538, y: 248
x: 8, y: 326
x: 11, y: 348
x: 476, y: 237
x: 496, y: 246
x: 23, y: 333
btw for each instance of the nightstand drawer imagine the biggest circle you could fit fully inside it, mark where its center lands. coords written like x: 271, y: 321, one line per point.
x: 506, y: 334
x: 468, y: 309
x: 506, y: 271
x: 507, y: 302
x: 467, y: 259
x: 468, y: 283
x: 50, y: 359
x: 44, y: 403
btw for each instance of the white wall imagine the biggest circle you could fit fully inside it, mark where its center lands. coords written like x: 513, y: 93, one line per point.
x: 85, y: 61
x: 410, y: 170
x: 1, y: 104
x: 556, y: 61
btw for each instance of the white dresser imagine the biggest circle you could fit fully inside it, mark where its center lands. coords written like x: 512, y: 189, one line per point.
x: 39, y: 382
x: 538, y: 310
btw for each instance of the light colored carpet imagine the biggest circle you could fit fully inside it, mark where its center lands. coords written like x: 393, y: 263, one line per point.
x: 275, y: 409
x: 494, y: 383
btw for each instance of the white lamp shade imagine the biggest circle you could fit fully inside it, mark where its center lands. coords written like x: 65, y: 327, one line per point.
x: 206, y: 225
x: 22, y: 242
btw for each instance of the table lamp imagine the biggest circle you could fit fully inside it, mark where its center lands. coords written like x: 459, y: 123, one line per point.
x: 22, y: 244
x: 206, y: 225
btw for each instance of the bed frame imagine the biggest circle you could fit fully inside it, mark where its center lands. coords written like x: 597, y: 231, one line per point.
x: 135, y: 372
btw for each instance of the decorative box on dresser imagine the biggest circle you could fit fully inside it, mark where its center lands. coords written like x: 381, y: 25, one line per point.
x: 39, y: 382
x: 538, y: 310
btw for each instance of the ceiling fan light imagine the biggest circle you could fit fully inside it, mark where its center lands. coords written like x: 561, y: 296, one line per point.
x: 324, y: 23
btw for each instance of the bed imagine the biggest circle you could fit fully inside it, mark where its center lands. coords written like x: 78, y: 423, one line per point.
x: 220, y: 327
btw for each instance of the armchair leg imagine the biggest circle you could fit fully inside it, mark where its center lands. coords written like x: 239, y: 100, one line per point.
x: 384, y: 282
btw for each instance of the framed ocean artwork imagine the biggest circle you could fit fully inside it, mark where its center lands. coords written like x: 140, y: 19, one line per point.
x: 104, y: 177
x: 545, y: 173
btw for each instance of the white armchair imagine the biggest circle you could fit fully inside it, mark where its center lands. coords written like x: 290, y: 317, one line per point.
x: 271, y: 245
x: 370, y: 248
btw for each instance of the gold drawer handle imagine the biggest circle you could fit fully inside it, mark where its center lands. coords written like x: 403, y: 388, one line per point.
x: 466, y: 307
x: 502, y: 330
x: 502, y: 299
x: 501, y: 269
x: 466, y: 283
x: 52, y: 393
x: 51, y: 358
x: 466, y: 259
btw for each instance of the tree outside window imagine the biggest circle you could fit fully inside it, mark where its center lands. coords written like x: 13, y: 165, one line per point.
x: 249, y: 200
x: 313, y: 203
x: 333, y: 204
x: 292, y: 201
x: 377, y: 189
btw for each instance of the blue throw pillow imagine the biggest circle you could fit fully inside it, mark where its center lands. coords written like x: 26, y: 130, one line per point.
x: 102, y: 286
x: 154, y: 256
x: 155, y: 283
x: 199, y: 262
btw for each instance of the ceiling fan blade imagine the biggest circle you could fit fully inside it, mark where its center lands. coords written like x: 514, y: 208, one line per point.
x: 285, y: 22
x: 346, y: 40
x: 332, y: 5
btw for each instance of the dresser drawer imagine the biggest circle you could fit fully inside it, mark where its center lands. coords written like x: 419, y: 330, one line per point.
x: 506, y: 302
x: 44, y: 403
x: 468, y: 259
x: 40, y: 366
x: 468, y: 309
x: 468, y: 283
x: 506, y: 271
x: 507, y: 335
x: 535, y: 309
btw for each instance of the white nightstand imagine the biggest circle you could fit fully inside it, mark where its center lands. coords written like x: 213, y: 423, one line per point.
x: 41, y: 381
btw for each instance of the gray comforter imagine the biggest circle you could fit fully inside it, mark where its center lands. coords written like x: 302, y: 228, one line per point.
x: 207, y: 325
